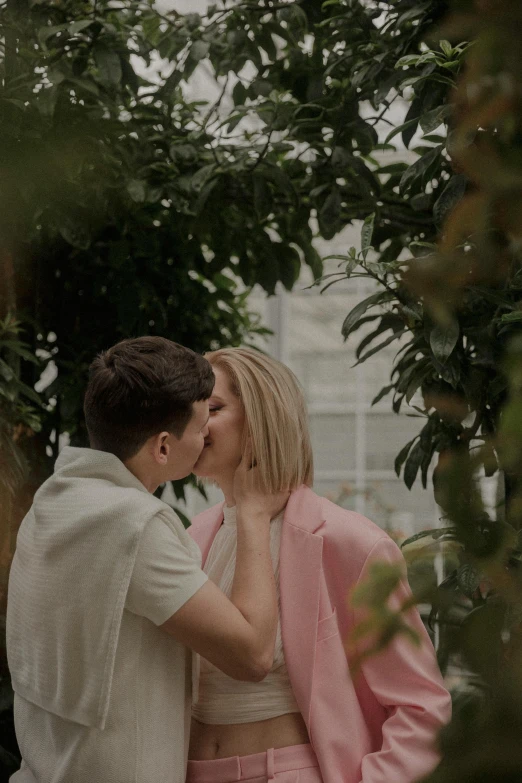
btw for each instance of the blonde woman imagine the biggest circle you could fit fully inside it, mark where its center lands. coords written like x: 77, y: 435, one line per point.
x: 308, y: 720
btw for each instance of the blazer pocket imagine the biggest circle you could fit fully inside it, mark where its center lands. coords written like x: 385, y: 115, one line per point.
x: 327, y: 627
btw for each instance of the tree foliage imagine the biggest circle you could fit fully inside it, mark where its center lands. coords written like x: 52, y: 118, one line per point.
x: 119, y: 215
x: 441, y: 240
x: 314, y: 93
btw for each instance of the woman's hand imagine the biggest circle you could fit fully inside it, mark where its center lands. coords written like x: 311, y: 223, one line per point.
x: 253, y: 503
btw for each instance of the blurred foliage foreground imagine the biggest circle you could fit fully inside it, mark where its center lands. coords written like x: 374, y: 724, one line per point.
x: 479, y: 250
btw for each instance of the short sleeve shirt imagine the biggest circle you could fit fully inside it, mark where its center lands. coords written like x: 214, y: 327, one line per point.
x: 147, y: 730
x: 164, y: 576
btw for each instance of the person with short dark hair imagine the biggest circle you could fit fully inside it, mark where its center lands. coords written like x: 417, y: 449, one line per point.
x: 107, y: 598
x: 140, y: 387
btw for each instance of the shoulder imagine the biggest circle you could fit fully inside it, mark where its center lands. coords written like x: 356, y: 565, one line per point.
x: 97, y: 498
x: 349, y: 526
x: 349, y: 538
x: 165, y: 540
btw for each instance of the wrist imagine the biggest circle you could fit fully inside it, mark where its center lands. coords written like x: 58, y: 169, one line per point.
x: 252, y: 516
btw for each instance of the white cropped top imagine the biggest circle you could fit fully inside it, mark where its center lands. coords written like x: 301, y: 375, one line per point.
x: 221, y: 698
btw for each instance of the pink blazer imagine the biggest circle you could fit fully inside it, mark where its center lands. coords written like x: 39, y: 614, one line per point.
x: 381, y: 726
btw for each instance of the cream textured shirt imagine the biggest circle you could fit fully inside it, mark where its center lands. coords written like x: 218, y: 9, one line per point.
x: 221, y: 699
x: 100, y: 556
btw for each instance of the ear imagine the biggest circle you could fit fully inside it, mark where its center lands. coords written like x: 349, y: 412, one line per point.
x: 161, y: 448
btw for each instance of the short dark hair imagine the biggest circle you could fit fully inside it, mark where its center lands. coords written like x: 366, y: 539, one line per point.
x: 139, y: 388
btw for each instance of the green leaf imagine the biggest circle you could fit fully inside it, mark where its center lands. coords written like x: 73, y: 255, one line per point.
x: 262, y: 196
x: 312, y: 258
x: 261, y: 87
x: 181, y: 514
x: 379, y: 347
x: 6, y: 371
x: 508, y: 318
x: 450, y: 372
x: 435, y: 534
x: 289, y: 265
x: 108, y: 64
x: 340, y: 160
x: 87, y: 85
x: 419, y: 249
x: 383, y: 393
x: 446, y: 48
x: 367, y: 234
x: 266, y: 42
x: 330, y: 214
x: 403, y: 453
x: 420, y: 168
x: 239, y: 94
x: 137, y: 190
x: 384, y: 88
x: 199, y: 50
x: 44, y: 33
x: 350, y: 266
x: 202, y: 176
x: 449, y: 197
x: 400, y: 128
x: 78, y: 26
x: 468, y: 579
x: 421, y: 202
x: 20, y: 349
x: 443, y: 340
x: 74, y: 231
x: 152, y: 28
x: 393, y: 168
x: 422, y: 371
x: 388, y: 321
x: 57, y: 75
x: 353, y: 316
x: 47, y: 99
x: 412, y: 465
x: 184, y: 153
x: 414, y: 113
x: 234, y: 120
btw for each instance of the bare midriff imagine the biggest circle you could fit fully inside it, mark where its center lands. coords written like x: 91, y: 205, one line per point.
x: 209, y: 742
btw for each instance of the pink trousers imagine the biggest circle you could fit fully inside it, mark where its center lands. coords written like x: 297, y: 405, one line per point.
x: 295, y: 764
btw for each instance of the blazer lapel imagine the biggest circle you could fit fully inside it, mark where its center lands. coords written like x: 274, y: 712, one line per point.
x: 204, y: 529
x: 300, y: 580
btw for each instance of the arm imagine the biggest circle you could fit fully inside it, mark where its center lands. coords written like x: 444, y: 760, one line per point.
x: 406, y: 681
x: 237, y: 636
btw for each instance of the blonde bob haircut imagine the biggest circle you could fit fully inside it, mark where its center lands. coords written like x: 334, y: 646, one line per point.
x: 276, y: 419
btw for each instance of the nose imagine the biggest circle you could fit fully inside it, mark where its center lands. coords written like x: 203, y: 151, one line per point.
x: 205, y: 431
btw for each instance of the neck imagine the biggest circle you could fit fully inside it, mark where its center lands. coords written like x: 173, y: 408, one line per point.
x: 226, y: 485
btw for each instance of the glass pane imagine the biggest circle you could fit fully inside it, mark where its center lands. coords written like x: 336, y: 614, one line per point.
x: 333, y: 441
x: 390, y: 504
x: 314, y: 322
x: 386, y: 434
x: 342, y: 492
x: 329, y: 379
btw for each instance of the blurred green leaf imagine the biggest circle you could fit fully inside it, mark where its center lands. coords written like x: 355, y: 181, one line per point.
x: 108, y: 63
